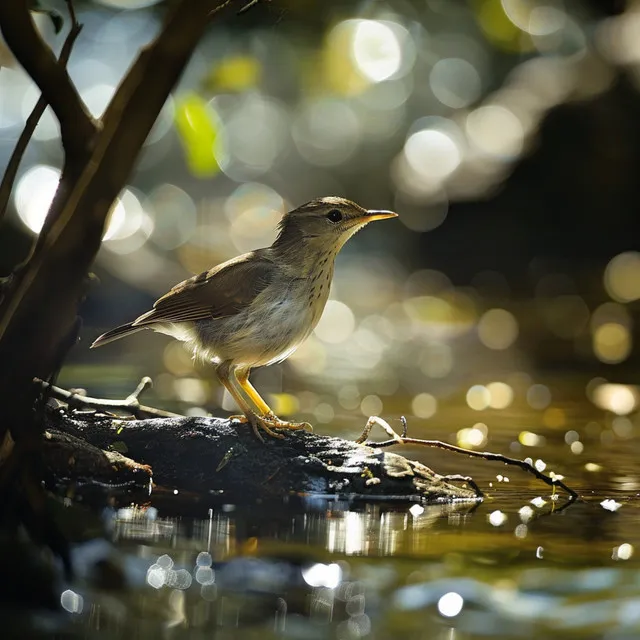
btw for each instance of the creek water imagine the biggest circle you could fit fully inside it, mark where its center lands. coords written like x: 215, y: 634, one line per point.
x: 522, y: 563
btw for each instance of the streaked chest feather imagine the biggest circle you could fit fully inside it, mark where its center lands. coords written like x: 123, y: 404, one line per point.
x: 271, y: 328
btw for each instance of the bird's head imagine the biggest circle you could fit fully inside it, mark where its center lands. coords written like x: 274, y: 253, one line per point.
x: 325, y: 224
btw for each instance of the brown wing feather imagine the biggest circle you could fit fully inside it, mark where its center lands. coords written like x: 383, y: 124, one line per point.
x: 222, y: 291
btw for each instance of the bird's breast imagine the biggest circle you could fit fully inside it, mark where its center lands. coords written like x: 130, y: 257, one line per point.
x: 295, y: 309
x: 270, y: 329
x: 292, y: 314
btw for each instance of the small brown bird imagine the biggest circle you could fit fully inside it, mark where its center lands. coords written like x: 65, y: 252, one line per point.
x: 256, y: 309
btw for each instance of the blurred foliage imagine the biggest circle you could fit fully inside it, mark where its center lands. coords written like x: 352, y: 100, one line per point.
x: 198, y: 128
x: 235, y: 73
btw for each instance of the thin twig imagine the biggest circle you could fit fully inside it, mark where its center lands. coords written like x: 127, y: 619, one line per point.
x: 437, y: 444
x: 8, y: 179
x: 248, y: 6
x: 386, y: 427
x: 130, y: 404
x: 77, y: 126
x: 396, y: 439
x: 72, y: 12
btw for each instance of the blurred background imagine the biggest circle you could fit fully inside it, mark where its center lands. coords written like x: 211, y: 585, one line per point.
x: 504, y: 132
x: 499, y: 311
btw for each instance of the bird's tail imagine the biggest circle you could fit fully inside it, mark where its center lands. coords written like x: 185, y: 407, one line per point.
x: 115, y: 334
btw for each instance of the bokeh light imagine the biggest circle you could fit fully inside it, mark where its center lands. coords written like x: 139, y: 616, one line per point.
x: 498, y: 329
x: 565, y: 315
x: 501, y: 395
x: 612, y: 342
x: 97, y: 98
x: 71, y: 601
x: 323, y: 575
x: 174, y: 215
x: 455, y: 82
x: 34, y: 194
x: 327, y: 132
x: 617, y: 398
x: 450, y: 604
x: 432, y: 153
x: 538, y: 396
x: 622, y: 277
x: 254, y: 131
x: 471, y: 437
x: 13, y: 89
x: 495, y: 131
x: 253, y: 210
x: 126, y: 218
x: 436, y: 360
x: 540, y: 19
x: 478, y: 397
x: 424, y: 405
x: 497, y: 518
x: 371, y: 405
x: 337, y: 323
x: 376, y: 50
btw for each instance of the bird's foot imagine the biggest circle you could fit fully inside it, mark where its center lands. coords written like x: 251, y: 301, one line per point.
x: 269, y: 422
x: 275, y: 423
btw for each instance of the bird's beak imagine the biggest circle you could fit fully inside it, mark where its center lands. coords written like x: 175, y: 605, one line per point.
x: 378, y: 214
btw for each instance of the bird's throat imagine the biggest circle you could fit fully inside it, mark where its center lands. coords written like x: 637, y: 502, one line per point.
x: 307, y: 258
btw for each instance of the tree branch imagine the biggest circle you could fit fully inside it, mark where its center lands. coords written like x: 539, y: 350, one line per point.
x: 553, y: 482
x: 140, y: 96
x: 158, y: 68
x: 8, y: 179
x: 40, y: 306
x: 77, y: 126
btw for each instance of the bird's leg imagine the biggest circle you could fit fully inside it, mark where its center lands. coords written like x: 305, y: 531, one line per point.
x: 227, y: 378
x: 242, y: 376
x: 267, y: 418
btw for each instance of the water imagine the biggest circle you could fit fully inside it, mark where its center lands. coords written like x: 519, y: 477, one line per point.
x: 520, y: 564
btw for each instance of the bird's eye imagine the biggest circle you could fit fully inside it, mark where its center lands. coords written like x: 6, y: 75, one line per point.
x: 334, y: 215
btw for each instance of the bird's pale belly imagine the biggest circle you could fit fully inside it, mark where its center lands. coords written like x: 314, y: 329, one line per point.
x: 262, y: 334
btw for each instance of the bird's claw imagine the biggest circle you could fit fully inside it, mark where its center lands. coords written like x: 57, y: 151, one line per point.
x: 269, y: 422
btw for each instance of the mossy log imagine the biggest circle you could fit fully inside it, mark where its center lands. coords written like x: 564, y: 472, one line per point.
x: 218, y: 456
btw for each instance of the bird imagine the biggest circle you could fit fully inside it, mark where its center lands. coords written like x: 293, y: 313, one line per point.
x: 256, y: 309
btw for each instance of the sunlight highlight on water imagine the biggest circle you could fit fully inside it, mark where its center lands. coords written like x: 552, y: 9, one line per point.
x: 450, y: 604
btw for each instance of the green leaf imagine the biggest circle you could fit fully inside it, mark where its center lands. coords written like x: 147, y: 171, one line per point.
x: 198, y: 127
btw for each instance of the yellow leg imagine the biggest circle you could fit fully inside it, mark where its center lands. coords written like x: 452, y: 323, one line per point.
x: 268, y: 417
x: 260, y: 415
x: 242, y: 376
x: 226, y: 377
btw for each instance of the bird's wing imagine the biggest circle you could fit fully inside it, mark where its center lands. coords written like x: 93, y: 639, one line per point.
x: 222, y: 291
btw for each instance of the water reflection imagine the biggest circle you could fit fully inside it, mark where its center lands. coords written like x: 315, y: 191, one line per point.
x: 515, y: 565
x: 342, y: 572
x: 324, y: 523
